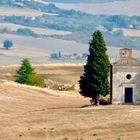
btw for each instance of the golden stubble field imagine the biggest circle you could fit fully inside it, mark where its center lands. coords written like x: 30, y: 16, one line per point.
x: 30, y: 113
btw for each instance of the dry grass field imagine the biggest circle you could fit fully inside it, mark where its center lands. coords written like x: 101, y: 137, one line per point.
x: 124, y: 7
x: 131, y: 32
x: 22, y: 12
x: 59, y: 73
x: 15, y: 27
x: 19, y: 12
x: 30, y: 113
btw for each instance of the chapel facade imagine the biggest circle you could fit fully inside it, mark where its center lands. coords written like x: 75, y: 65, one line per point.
x: 125, y: 79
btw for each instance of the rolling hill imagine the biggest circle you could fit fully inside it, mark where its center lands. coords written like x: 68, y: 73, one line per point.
x: 38, y: 29
x: 33, y: 113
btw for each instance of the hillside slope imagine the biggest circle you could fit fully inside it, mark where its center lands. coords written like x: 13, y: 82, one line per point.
x: 28, y: 113
x: 26, y: 97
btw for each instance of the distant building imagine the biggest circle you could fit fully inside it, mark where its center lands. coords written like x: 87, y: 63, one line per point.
x: 125, y: 79
x: 67, y: 56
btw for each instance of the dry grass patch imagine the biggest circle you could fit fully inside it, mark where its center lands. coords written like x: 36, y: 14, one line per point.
x: 34, y: 115
x: 42, y: 114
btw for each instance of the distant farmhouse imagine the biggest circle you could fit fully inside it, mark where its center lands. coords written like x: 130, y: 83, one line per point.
x: 125, y: 79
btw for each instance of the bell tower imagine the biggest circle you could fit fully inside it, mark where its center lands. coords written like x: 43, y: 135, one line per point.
x: 125, y: 52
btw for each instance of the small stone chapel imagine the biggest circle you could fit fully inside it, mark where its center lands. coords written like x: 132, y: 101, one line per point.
x: 125, y: 79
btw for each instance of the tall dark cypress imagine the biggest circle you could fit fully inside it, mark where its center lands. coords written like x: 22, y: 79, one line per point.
x: 94, y: 81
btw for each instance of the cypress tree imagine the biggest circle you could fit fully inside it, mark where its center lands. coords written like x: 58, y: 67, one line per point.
x: 94, y: 81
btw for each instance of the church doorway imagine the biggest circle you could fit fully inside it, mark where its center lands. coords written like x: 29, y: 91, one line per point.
x: 128, y: 95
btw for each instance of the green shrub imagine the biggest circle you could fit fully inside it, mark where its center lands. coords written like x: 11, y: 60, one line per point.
x: 63, y: 87
x: 104, y: 101
x: 65, y: 138
x: 55, y: 87
x: 94, y: 134
x: 35, y: 80
x: 70, y: 88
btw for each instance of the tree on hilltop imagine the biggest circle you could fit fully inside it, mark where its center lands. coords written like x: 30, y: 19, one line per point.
x: 27, y: 75
x: 24, y: 72
x: 94, y: 81
x: 7, y: 44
